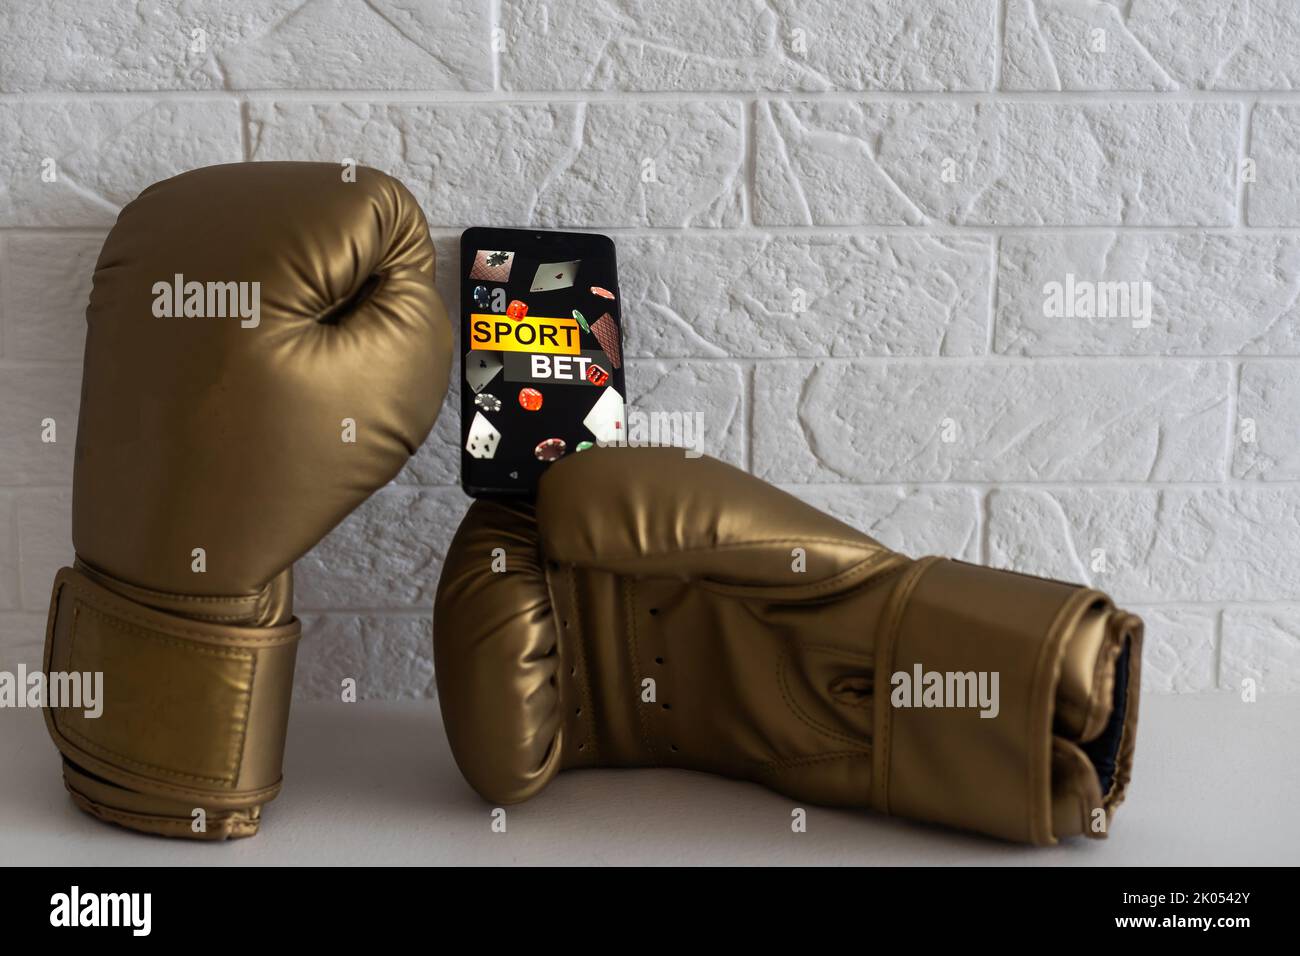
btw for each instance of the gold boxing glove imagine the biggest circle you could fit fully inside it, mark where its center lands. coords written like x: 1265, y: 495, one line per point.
x: 265, y: 348
x: 661, y: 611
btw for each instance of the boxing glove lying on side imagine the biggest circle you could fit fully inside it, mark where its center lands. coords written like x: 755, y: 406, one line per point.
x: 662, y: 611
x: 265, y: 348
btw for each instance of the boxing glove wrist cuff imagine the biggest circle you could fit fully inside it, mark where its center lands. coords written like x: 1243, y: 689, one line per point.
x: 188, y: 710
x: 157, y: 815
x: 986, y: 763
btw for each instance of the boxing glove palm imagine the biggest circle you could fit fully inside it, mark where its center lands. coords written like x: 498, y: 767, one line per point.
x: 265, y: 348
x: 659, y: 611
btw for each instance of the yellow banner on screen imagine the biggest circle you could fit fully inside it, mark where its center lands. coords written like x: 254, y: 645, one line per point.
x: 533, y: 333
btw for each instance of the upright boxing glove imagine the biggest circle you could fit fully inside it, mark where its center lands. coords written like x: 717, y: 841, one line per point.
x: 265, y: 348
x: 661, y: 611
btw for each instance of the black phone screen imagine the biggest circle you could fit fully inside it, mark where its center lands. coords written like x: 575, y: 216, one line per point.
x: 542, y: 354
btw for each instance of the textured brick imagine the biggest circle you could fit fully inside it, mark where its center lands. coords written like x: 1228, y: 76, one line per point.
x: 387, y: 655
x: 1268, y: 397
x: 913, y: 521
x: 260, y: 44
x: 44, y: 521
x: 48, y: 45
x: 714, y: 391
x: 362, y: 44
x: 860, y: 295
x: 1179, y: 650
x: 1215, y: 544
x: 1099, y: 421
x: 1155, y: 45
x: 45, y: 286
x: 105, y: 151
x: 1274, y: 198
x: 831, y: 163
x: 386, y: 554
x: 539, y: 164
x: 1052, y: 45
x: 27, y: 397
x: 1211, y: 294
x: 437, y: 462
x: 747, y: 45
x: 1263, y: 646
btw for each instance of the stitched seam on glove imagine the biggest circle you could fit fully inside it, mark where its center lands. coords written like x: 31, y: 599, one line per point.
x: 629, y: 602
x: 284, y: 636
x: 830, y: 756
x: 578, y: 642
x: 146, y: 823
x: 885, y: 648
x: 165, y: 596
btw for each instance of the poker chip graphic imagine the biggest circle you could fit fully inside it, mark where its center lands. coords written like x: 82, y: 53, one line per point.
x: 550, y: 450
x: 607, y: 335
x: 488, y: 403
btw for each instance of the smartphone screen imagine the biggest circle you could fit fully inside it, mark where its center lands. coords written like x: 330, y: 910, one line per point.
x: 542, y: 354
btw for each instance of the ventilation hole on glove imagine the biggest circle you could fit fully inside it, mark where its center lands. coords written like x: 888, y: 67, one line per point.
x: 659, y: 660
x: 565, y: 622
x: 851, y: 689
x: 573, y: 672
x: 552, y: 680
x: 582, y: 746
x: 674, y: 747
x: 578, y: 712
x: 668, y: 706
x: 338, y: 313
x: 654, y: 611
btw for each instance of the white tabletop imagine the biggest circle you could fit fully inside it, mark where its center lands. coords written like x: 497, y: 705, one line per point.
x: 373, y: 782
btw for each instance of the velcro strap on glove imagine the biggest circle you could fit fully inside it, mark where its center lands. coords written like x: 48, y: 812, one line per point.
x: 190, y: 709
x: 964, y: 763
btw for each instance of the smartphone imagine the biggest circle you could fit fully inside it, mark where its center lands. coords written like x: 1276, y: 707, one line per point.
x: 542, y: 354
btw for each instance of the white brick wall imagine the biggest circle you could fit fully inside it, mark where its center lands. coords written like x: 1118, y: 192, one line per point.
x: 913, y: 173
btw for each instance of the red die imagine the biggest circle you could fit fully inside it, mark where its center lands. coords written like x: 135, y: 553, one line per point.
x: 530, y: 399
x: 596, y: 375
x: 516, y: 310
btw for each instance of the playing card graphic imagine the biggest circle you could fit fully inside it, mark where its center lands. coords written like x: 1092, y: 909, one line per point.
x: 481, y: 368
x: 605, y: 420
x: 552, y: 276
x: 491, y: 265
x: 483, y: 438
